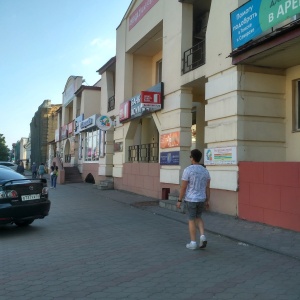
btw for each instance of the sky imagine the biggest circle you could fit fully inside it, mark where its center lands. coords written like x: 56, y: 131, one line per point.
x: 45, y: 42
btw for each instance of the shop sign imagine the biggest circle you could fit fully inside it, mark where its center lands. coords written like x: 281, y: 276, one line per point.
x: 104, y: 122
x: 220, y: 156
x: 169, y: 158
x: 140, y: 12
x: 88, y: 123
x: 151, y: 100
x: 258, y: 16
x: 64, y: 132
x: 170, y: 140
x: 77, y: 122
x: 125, y: 111
x: 144, y: 103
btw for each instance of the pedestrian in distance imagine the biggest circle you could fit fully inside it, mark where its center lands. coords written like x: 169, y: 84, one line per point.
x: 53, y: 176
x: 195, y: 190
x: 41, y: 170
x: 34, y: 170
x: 20, y: 168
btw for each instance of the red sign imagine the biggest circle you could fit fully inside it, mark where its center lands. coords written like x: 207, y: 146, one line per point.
x: 139, y: 13
x: 125, y: 111
x: 151, y: 99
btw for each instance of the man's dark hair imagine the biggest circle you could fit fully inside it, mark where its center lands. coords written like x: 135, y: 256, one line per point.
x: 196, y: 155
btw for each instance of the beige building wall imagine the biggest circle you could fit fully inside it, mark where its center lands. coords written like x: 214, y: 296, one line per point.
x: 292, y: 136
x: 241, y: 106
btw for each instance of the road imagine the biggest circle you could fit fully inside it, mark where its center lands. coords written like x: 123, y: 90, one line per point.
x: 94, y: 245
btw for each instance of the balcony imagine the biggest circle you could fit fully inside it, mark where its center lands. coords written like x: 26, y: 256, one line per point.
x: 193, y: 58
x: 143, y: 153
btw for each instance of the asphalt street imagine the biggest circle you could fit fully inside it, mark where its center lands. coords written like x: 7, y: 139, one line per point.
x: 116, y: 245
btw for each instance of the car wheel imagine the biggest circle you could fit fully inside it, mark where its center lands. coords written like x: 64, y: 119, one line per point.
x: 23, y: 223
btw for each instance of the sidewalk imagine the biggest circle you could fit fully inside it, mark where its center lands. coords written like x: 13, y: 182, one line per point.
x: 245, y: 233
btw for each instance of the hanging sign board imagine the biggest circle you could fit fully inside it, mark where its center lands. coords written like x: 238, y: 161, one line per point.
x: 104, y: 122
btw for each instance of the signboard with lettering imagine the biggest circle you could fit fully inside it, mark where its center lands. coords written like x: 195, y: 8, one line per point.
x: 88, y: 123
x: 169, y: 158
x: 77, y: 123
x: 151, y: 100
x: 220, y: 156
x: 144, y: 103
x: 140, y: 12
x: 257, y: 16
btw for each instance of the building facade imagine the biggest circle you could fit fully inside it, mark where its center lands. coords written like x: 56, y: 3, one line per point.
x: 191, y: 74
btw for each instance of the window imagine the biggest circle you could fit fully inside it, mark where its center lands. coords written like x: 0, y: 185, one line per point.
x: 159, y: 71
x: 92, y: 146
x: 297, y: 106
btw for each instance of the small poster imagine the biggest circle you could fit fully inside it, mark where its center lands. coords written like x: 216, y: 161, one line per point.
x: 169, y: 158
x: 220, y: 156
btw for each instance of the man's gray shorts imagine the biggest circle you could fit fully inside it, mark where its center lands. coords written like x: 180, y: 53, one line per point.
x: 194, y: 209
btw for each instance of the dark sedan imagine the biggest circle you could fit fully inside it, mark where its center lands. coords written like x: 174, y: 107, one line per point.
x: 22, y: 200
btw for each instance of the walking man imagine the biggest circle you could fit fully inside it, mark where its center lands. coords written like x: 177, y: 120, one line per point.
x: 34, y: 170
x: 195, y: 188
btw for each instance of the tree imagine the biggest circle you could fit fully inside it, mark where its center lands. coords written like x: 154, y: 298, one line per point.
x: 4, y: 151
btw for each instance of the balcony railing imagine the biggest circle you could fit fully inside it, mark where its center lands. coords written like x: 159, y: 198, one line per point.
x: 194, y: 57
x: 143, y: 153
x: 111, y: 103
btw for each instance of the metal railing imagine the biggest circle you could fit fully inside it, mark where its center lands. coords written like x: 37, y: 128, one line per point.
x: 143, y: 153
x: 111, y: 103
x: 193, y: 58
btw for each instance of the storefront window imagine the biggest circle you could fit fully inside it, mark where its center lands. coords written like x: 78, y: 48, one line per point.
x: 92, y: 146
x: 297, y: 106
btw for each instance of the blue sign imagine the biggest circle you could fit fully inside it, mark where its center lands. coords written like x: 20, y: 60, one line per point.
x: 169, y: 158
x: 257, y: 16
x: 245, y: 23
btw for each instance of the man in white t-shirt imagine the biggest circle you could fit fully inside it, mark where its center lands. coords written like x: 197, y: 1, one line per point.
x: 195, y: 189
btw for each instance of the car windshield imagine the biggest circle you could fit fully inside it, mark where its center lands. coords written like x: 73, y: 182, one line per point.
x: 8, y: 174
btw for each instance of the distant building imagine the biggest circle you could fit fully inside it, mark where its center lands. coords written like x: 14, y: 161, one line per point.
x: 42, y: 130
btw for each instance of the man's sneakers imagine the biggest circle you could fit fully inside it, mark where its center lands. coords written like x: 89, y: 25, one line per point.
x: 192, y: 246
x: 203, y: 242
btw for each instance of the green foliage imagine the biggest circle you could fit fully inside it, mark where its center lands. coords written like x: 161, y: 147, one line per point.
x: 4, y: 151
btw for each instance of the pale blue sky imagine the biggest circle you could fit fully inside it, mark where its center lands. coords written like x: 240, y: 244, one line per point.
x: 43, y: 43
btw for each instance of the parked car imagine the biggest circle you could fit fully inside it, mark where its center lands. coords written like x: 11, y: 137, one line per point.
x: 7, y: 168
x: 22, y: 200
x: 9, y: 164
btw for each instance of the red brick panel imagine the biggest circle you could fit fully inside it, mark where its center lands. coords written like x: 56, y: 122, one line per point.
x: 281, y: 173
x: 251, y: 172
x: 270, y: 193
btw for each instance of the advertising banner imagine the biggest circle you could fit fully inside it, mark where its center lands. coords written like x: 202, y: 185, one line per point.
x: 220, y: 156
x: 88, y: 123
x: 257, y: 16
x: 170, y: 140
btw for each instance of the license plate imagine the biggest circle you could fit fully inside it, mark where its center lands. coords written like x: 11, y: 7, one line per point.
x: 30, y: 197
